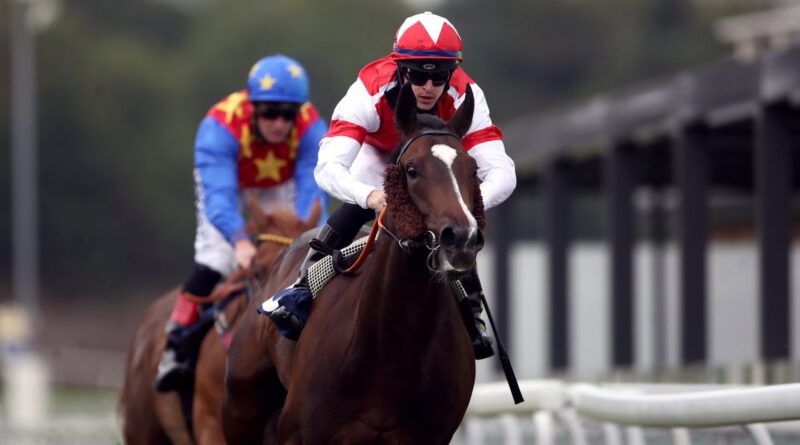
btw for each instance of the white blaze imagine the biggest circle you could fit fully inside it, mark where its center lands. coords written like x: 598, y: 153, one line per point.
x: 448, y: 155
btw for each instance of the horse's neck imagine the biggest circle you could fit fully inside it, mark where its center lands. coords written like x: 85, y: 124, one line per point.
x: 402, y: 298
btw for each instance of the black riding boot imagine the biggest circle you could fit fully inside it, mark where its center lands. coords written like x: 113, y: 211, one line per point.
x: 179, y: 358
x: 471, y: 309
x: 176, y: 367
x: 321, y: 245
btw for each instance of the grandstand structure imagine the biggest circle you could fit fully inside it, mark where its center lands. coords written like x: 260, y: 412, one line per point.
x: 652, y: 239
x: 692, y: 187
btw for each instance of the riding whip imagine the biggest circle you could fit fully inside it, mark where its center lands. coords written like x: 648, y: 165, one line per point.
x: 505, y: 362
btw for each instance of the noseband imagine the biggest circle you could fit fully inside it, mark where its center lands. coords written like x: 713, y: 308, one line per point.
x: 429, y: 241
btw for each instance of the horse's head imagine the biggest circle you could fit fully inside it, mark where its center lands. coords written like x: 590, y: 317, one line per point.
x: 432, y: 188
x: 275, y: 230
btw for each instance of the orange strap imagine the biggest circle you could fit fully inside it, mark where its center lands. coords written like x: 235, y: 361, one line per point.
x: 368, y: 247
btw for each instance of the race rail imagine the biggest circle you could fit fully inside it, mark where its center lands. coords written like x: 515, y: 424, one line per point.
x: 633, y: 407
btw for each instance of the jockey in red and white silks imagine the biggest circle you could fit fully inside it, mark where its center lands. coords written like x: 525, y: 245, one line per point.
x: 362, y: 135
x: 353, y: 154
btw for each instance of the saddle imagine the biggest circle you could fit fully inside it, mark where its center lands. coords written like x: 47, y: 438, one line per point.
x: 321, y: 272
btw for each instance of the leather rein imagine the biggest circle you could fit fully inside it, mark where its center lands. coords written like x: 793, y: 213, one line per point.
x: 239, y: 279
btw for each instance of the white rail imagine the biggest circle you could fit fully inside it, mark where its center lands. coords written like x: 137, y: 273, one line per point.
x: 722, y: 407
x: 673, y: 407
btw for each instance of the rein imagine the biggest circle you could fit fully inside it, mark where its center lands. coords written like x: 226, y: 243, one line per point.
x: 373, y: 233
x: 234, y: 283
x: 231, y: 285
x: 430, y: 242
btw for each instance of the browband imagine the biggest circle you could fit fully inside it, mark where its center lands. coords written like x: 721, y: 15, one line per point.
x: 419, y: 135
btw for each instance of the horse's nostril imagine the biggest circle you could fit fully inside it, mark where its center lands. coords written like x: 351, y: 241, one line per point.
x: 448, y: 236
x: 461, y: 237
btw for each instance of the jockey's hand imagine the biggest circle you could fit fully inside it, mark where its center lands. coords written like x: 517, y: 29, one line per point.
x: 376, y: 200
x: 244, y: 251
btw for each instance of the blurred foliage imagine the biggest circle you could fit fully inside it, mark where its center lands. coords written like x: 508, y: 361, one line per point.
x: 122, y: 86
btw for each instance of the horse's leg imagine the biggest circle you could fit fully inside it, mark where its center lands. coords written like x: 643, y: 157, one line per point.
x: 209, y: 391
x: 141, y: 425
x: 253, y: 392
x: 271, y: 430
x: 169, y: 412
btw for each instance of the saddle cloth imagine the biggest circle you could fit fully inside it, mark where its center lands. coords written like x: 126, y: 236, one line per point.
x: 321, y: 272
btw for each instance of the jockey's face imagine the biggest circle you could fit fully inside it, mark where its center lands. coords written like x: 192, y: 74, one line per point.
x: 427, y: 86
x: 275, y: 120
x: 427, y: 95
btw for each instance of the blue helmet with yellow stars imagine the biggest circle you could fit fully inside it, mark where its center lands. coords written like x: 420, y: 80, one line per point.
x: 277, y: 78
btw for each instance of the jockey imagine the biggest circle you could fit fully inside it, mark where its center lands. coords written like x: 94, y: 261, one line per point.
x: 261, y: 141
x: 354, y: 153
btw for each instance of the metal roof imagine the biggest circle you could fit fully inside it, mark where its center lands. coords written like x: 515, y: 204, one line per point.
x: 726, y: 92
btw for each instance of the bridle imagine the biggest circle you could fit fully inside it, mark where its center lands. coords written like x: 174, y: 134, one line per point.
x: 418, y: 135
x: 427, y: 240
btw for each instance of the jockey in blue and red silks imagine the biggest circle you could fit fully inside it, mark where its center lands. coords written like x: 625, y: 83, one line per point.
x: 264, y: 141
x: 427, y: 54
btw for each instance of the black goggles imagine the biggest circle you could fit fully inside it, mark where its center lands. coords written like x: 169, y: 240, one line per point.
x: 273, y: 111
x: 419, y: 78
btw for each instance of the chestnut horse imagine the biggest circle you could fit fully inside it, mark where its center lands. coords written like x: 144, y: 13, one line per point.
x: 150, y: 417
x: 384, y: 356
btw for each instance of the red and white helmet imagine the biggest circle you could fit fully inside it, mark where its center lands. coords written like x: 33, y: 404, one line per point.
x: 427, y: 36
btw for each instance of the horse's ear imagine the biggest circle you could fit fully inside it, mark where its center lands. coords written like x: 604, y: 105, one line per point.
x: 314, y: 214
x: 405, y: 112
x: 462, y: 119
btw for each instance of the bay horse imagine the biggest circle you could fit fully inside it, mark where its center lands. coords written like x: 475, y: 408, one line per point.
x: 384, y: 357
x: 152, y: 418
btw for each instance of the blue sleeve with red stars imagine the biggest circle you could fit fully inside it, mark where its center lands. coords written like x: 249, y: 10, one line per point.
x: 306, y: 185
x: 215, y: 159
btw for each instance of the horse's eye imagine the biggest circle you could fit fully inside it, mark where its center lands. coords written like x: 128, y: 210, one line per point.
x: 411, y: 171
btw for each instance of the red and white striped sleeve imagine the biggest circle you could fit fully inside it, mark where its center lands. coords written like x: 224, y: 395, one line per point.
x: 353, y: 118
x: 484, y: 142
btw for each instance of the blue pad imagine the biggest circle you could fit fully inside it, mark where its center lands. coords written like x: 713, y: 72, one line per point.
x: 296, y: 300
